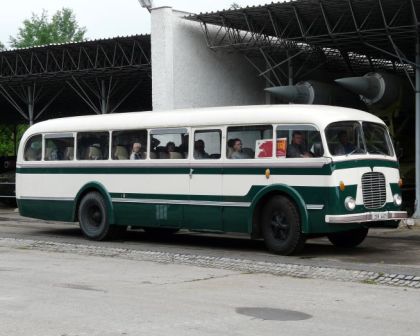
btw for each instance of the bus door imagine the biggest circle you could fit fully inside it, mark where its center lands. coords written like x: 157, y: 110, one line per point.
x: 169, y: 150
x: 204, y: 211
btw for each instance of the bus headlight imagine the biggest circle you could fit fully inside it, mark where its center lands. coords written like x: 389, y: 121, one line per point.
x: 397, y: 199
x: 350, y: 203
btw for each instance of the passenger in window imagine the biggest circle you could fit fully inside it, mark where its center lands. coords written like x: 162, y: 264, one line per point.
x: 170, y: 147
x: 237, y: 152
x: 199, y: 150
x: 297, y: 148
x: 52, y: 153
x: 94, y: 152
x: 229, y: 148
x: 183, y: 148
x: 69, y: 153
x: 345, y: 146
x: 171, y: 152
x: 135, y: 153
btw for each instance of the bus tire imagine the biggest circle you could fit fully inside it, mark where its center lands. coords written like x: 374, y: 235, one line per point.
x: 281, y: 226
x: 93, y: 217
x: 348, y: 239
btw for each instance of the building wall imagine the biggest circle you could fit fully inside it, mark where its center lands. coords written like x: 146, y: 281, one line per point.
x: 186, y: 73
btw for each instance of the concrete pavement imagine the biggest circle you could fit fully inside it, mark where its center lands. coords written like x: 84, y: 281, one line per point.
x: 48, y: 293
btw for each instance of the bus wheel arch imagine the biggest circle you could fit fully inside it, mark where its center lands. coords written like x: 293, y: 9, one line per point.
x: 264, y: 196
x: 94, y: 187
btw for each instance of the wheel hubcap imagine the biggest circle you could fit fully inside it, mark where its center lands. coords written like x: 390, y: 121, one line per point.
x: 95, y: 216
x: 279, y: 226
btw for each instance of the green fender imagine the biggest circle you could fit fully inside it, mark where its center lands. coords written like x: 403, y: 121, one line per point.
x: 292, y: 193
x: 97, y: 186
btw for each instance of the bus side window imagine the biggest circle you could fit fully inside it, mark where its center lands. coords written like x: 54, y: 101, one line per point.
x: 59, y: 148
x: 33, y: 148
x: 249, y: 142
x: 207, y: 144
x: 129, y: 145
x: 298, y: 141
x: 92, y: 145
x: 169, y: 143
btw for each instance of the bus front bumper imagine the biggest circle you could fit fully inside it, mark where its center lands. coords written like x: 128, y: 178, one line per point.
x: 366, y: 217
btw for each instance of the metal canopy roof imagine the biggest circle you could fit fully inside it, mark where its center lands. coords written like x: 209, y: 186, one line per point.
x: 351, y: 36
x: 100, y: 76
x: 61, y: 60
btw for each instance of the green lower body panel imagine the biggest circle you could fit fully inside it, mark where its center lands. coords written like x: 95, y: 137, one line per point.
x: 49, y: 210
x: 236, y: 219
x: 198, y: 217
x: 149, y: 215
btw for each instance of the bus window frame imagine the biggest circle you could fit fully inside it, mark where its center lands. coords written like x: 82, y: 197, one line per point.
x: 221, y: 129
x: 129, y: 153
x: 46, y: 136
x: 26, y: 144
x: 76, y: 148
x: 322, y: 135
x: 247, y: 125
x: 169, y: 130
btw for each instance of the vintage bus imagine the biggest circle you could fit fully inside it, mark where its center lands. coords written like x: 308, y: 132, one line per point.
x: 283, y: 173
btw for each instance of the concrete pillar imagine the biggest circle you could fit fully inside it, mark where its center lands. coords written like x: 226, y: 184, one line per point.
x: 162, y: 58
x: 186, y: 73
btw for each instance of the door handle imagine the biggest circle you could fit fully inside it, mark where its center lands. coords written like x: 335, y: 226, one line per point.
x: 191, y: 172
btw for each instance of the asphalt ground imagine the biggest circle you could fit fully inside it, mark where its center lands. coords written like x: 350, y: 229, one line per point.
x: 55, y: 282
x: 45, y: 293
x: 392, y: 252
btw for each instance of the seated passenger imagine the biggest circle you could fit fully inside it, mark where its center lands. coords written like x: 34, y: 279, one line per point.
x: 229, y: 148
x: 120, y: 153
x: 32, y: 154
x: 297, y: 148
x: 94, y: 152
x: 170, y: 152
x: 237, y: 150
x: 170, y: 147
x: 135, y: 153
x: 199, y: 152
x: 183, y: 148
x: 53, y: 154
x: 344, y: 147
x: 69, y: 153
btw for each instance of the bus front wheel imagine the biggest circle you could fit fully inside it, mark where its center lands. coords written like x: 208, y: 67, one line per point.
x: 281, y: 226
x: 93, y: 217
x: 348, y: 239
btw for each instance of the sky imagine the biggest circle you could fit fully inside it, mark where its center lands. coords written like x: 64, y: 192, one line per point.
x: 103, y: 18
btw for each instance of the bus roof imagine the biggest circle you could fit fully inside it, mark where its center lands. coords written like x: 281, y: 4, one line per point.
x: 320, y: 115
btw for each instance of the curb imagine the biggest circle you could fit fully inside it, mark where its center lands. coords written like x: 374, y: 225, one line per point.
x: 241, y: 265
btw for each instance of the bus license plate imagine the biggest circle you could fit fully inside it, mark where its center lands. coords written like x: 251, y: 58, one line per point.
x: 379, y: 215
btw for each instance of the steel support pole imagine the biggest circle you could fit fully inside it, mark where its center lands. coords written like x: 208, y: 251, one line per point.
x: 417, y: 144
x: 290, y: 68
x: 30, y: 106
x: 104, y: 105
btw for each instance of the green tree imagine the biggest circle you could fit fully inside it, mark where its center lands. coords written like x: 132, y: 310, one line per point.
x: 41, y: 30
x: 7, y: 138
x: 1, y: 46
x: 234, y: 6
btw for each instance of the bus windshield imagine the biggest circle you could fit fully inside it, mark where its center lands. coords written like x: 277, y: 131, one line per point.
x: 354, y: 137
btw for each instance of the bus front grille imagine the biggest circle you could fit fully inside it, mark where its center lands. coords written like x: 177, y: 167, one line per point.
x: 374, y: 190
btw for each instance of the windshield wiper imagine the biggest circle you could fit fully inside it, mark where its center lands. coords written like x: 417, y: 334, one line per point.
x: 378, y: 151
x: 357, y: 149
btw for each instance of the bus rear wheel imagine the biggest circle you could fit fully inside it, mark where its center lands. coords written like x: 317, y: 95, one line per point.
x: 348, y: 239
x: 281, y: 226
x: 93, y: 217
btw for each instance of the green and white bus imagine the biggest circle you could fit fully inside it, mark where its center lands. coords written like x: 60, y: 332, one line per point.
x: 283, y: 173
